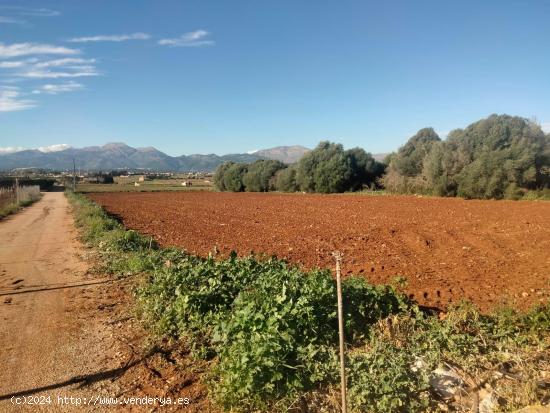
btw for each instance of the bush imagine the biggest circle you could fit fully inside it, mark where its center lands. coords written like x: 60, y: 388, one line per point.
x: 382, y: 380
x: 272, y: 326
x: 259, y: 175
x: 326, y: 169
x: 494, y: 158
x: 219, y: 175
x: 233, y: 177
x: 285, y: 180
x: 365, y: 169
x: 279, y: 340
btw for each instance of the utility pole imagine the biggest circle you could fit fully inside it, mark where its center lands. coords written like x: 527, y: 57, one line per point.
x: 74, y: 175
x: 338, y: 257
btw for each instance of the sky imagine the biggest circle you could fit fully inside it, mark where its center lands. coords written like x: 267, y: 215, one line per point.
x: 224, y: 76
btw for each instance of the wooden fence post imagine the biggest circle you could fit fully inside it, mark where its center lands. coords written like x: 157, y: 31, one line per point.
x: 17, y: 190
x: 338, y: 257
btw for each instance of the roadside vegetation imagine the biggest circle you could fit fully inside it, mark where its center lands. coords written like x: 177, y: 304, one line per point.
x: 12, y: 199
x: 269, y: 331
x: 501, y: 157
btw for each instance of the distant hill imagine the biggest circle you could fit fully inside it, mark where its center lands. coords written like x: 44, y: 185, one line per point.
x: 117, y: 156
x: 286, y: 154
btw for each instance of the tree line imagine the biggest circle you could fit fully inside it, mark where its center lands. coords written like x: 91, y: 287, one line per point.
x: 494, y: 158
x: 326, y: 169
x: 498, y: 157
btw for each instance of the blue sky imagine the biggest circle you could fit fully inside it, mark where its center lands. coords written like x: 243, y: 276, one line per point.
x: 232, y: 76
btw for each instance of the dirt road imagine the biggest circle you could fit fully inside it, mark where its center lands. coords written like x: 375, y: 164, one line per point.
x: 45, y: 348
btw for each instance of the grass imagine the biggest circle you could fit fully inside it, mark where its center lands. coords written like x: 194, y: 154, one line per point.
x: 13, y: 207
x: 540, y: 195
x: 8, y: 210
x: 269, y: 330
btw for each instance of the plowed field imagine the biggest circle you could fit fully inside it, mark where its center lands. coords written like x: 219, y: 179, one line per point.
x: 488, y: 252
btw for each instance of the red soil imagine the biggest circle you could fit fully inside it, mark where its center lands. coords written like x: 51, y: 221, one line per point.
x: 488, y: 252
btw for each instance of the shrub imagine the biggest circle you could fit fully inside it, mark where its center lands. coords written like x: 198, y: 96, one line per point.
x: 285, y: 180
x: 498, y: 157
x: 279, y: 340
x: 273, y: 326
x: 259, y: 175
x: 383, y: 379
x: 219, y: 175
x: 365, y: 169
x: 326, y: 169
x: 233, y: 177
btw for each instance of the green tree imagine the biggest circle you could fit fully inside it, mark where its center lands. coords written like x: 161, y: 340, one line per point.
x: 497, y: 157
x: 404, y: 172
x: 219, y: 174
x: 285, y: 180
x: 233, y: 177
x: 410, y: 156
x: 365, y: 169
x: 260, y: 175
x: 505, y: 151
x: 326, y: 169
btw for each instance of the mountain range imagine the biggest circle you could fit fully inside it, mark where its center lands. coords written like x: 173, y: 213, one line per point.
x: 121, y: 156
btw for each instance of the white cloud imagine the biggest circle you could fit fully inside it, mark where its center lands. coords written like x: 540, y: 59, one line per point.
x: 545, y: 126
x: 11, y: 20
x: 45, y: 149
x: 190, y: 39
x: 111, y: 38
x: 54, y: 89
x: 11, y: 101
x: 70, y: 67
x: 26, y: 49
x: 54, y: 148
x: 10, y: 149
x: 65, y: 62
x: 47, y: 74
x: 30, y: 11
x: 11, y: 64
